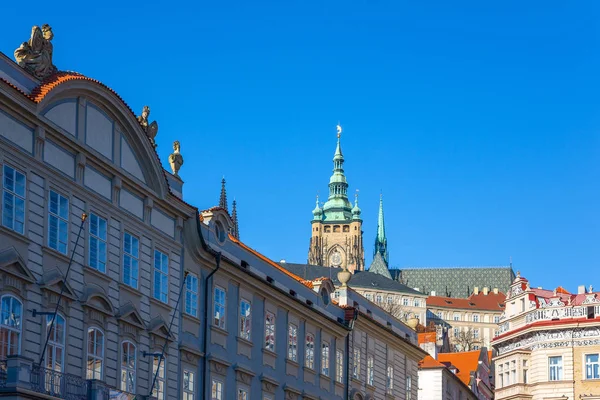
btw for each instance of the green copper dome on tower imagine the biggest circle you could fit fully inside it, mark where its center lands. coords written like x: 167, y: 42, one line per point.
x: 317, y: 212
x: 338, y: 207
x: 356, y: 210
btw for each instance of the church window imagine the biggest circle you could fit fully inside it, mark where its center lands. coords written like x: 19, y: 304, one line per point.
x: 327, y: 229
x: 336, y: 228
x: 355, y: 228
x: 346, y: 228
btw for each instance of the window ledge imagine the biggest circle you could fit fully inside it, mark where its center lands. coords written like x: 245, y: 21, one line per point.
x: 292, y: 362
x: 56, y: 253
x: 389, y: 396
x: 219, y: 330
x: 356, y: 380
x: 14, y: 234
x: 244, y: 341
x: 325, y: 377
x: 191, y: 317
x: 370, y: 387
x: 130, y: 289
x: 159, y: 303
x: 339, y: 384
x: 93, y: 271
x: 269, y: 352
x: 309, y: 369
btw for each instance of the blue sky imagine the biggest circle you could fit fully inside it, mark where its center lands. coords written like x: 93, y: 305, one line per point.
x: 480, y: 122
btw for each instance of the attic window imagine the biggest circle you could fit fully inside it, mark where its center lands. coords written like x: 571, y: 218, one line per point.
x: 472, y: 304
x: 448, y: 302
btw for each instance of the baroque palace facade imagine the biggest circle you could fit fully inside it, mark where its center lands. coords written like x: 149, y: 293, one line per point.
x: 549, y: 344
x: 112, y: 286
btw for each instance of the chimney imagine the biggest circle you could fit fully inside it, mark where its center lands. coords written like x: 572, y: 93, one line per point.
x: 433, y: 292
x: 495, y: 290
x: 486, y: 290
x: 476, y: 290
x: 581, y: 289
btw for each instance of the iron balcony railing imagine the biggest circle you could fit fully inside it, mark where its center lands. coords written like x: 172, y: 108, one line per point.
x: 58, y: 384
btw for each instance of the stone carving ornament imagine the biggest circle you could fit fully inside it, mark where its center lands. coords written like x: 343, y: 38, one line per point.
x: 35, y: 55
x: 176, y: 159
x: 151, y: 129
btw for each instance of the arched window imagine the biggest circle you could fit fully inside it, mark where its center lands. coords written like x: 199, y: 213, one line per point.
x: 55, y: 352
x: 159, y: 385
x: 128, y: 365
x: 95, y: 354
x: 10, y: 326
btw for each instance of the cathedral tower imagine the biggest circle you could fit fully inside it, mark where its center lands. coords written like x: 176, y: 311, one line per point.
x: 336, y: 239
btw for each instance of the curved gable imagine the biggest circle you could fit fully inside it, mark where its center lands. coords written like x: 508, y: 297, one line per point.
x: 86, y: 108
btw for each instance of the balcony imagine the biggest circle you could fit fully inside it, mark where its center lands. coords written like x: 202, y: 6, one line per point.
x: 20, y: 378
x: 515, y: 391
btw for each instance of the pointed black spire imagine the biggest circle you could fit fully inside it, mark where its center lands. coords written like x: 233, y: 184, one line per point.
x: 234, y: 218
x: 223, y: 198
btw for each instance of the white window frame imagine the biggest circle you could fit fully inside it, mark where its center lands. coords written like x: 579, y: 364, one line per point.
x: 14, y: 328
x: 219, y: 307
x: 476, y: 333
x: 161, y: 276
x: 555, y: 371
x: 189, y: 384
x: 97, y: 356
x: 409, y: 387
x: 356, y: 363
x: 242, y: 394
x: 292, y: 342
x: 60, y: 220
x: 245, y: 319
x: 56, y: 344
x: 339, y: 366
x: 475, y: 317
x: 159, y: 390
x: 592, y: 368
x: 97, y: 243
x: 325, y: 358
x: 270, y: 322
x: 17, y: 200
x: 405, y: 301
x: 309, y: 353
x: 131, y: 260
x: 379, y: 299
x: 128, y: 371
x: 370, y: 370
x: 216, y: 390
x: 496, y: 319
x: 390, y: 379
x: 191, y: 294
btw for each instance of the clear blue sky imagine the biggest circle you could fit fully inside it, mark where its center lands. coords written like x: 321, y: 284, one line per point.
x: 480, y: 122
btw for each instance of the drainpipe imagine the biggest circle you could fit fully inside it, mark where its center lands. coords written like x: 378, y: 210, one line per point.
x: 206, y: 320
x: 351, y: 326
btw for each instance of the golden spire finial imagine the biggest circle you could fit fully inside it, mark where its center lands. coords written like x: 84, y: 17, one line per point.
x: 339, y: 130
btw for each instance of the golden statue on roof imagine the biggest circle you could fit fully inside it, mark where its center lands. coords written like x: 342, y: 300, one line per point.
x: 35, y: 56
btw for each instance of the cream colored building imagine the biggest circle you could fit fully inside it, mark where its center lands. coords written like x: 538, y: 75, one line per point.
x: 471, y: 323
x: 549, y: 344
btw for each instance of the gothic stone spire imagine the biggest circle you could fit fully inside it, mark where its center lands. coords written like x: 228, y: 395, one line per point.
x: 234, y: 219
x: 380, y: 239
x: 223, y: 198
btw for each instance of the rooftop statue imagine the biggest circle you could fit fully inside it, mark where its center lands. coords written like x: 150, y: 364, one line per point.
x: 150, y: 129
x: 176, y: 159
x: 35, y: 56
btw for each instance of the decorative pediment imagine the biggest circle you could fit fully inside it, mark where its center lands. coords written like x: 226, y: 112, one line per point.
x: 268, y: 384
x: 54, y: 281
x: 591, y: 298
x: 218, y: 365
x: 291, y: 393
x: 129, y: 314
x: 189, y: 347
x: 159, y: 327
x: 13, y: 264
x: 95, y: 298
x: 243, y: 374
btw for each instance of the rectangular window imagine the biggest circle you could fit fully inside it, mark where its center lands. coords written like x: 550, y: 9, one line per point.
x: 245, y: 319
x: 309, y: 356
x: 158, y: 364
x: 216, y: 390
x: 456, y: 317
x: 556, y: 369
x: 325, y: 358
x: 242, y: 394
x: 339, y: 366
x: 496, y: 319
x: 131, y: 260
x: 13, y: 200
x: 270, y: 332
x: 58, y: 222
x: 439, y: 314
x: 456, y: 332
x: 161, y: 276
x: 408, y: 387
x: 370, y: 376
x: 95, y: 354
x: 369, y: 296
x: 390, y: 379
x: 356, y: 363
x: 219, y: 311
x: 128, y: 366
x: 191, y: 295
x: 475, y: 317
x: 389, y: 299
x: 379, y: 299
x: 293, y: 342
x: 97, y: 242
x: 188, y: 385
x: 592, y: 366
x: 417, y: 303
x: 475, y: 333
x: 405, y: 301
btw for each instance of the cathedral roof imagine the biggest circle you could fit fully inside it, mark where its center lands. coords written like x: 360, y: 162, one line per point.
x: 378, y: 266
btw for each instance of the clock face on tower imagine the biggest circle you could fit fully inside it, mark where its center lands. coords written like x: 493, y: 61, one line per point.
x: 336, y: 259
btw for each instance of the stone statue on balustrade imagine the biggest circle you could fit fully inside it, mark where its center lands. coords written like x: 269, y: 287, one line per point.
x: 151, y: 129
x: 35, y: 56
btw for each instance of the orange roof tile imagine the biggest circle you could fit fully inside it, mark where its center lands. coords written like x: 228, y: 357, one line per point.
x: 466, y: 362
x: 430, y: 362
x: 490, y: 302
x: 272, y: 263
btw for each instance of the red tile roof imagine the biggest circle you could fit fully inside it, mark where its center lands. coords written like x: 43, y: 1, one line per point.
x: 489, y: 302
x: 429, y: 362
x: 465, y: 362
